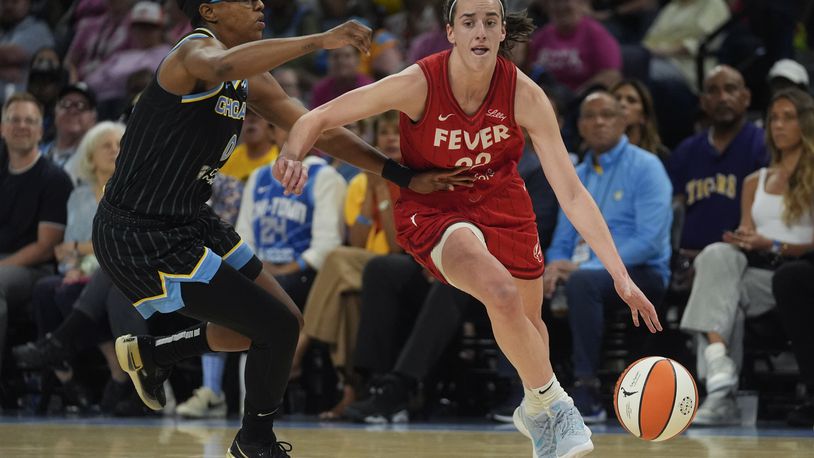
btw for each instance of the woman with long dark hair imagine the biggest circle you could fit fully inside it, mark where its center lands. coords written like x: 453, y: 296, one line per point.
x: 637, y: 107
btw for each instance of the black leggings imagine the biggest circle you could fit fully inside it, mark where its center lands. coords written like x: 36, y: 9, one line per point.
x: 236, y: 302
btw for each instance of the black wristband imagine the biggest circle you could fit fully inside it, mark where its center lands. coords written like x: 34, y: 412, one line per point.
x: 397, y: 173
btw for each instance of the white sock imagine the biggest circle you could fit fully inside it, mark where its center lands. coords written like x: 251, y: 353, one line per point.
x: 714, y: 350
x: 540, y: 399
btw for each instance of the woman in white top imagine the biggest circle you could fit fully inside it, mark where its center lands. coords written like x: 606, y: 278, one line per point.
x: 733, y: 278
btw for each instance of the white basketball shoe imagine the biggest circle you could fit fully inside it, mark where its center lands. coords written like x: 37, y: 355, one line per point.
x: 722, y: 375
x: 559, y: 432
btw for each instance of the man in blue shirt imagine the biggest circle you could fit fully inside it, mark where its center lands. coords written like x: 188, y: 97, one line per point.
x: 632, y: 190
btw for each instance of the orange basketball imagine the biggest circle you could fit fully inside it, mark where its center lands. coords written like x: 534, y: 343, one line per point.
x: 655, y: 398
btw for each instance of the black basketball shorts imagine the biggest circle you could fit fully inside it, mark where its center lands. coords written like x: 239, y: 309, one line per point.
x: 148, y: 258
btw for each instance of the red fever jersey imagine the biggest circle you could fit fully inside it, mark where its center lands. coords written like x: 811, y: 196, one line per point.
x: 491, y: 143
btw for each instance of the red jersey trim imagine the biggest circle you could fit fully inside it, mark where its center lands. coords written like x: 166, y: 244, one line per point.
x: 422, y: 64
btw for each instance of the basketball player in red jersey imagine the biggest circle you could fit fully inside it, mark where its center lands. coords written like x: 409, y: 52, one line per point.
x: 465, y: 108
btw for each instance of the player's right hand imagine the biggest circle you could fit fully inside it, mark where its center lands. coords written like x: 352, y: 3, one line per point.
x: 291, y: 174
x: 352, y: 33
x: 639, y: 304
x: 441, y: 180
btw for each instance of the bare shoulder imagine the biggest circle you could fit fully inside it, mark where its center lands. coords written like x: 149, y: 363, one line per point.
x: 174, y: 73
x: 526, y: 87
x: 529, y: 101
x: 411, y: 78
x: 197, y: 42
x: 752, y: 178
x: 750, y: 184
x: 408, y: 88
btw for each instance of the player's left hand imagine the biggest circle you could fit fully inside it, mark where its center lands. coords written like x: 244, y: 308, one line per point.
x: 638, y: 303
x: 352, y: 33
x: 291, y: 174
x: 441, y: 180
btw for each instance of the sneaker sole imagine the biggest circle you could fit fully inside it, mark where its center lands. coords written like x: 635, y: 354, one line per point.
x: 198, y: 415
x: 578, y: 451
x: 402, y: 416
x: 229, y: 454
x: 502, y: 418
x: 714, y: 423
x: 129, y: 357
x: 518, y: 423
x: 721, y: 384
x: 201, y: 415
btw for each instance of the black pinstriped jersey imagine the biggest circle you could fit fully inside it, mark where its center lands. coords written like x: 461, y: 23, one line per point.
x: 174, y: 146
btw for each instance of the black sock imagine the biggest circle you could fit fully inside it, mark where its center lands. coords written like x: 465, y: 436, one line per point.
x: 258, y: 427
x: 75, y: 331
x: 188, y: 343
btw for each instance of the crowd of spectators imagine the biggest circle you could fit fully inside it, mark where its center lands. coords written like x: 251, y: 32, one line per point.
x: 689, y: 122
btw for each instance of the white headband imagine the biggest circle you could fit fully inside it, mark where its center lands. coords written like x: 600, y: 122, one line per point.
x: 452, y: 8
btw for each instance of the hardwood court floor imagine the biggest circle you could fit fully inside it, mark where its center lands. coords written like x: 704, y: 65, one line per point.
x: 110, y: 438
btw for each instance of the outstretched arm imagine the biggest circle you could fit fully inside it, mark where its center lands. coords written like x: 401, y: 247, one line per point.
x: 534, y: 112
x: 404, y: 91
x: 321, y: 127
x: 268, y: 99
x: 208, y: 60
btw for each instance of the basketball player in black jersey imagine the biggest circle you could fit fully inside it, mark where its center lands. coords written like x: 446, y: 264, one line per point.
x: 166, y: 250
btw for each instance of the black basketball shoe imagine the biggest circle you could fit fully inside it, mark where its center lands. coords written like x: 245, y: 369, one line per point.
x: 387, y: 403
x: 135, y: 355
x: 46, y: 352
x: 242, y: 449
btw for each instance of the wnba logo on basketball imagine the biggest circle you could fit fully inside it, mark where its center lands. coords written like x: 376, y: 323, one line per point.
x: 655, y: 398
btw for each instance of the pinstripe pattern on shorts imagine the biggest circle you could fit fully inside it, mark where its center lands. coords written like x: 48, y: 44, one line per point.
x: 143, y: 255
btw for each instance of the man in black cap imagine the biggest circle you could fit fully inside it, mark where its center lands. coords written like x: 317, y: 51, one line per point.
x: 46, y: 78
x: 162, y: 245
x: 74, y: 114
